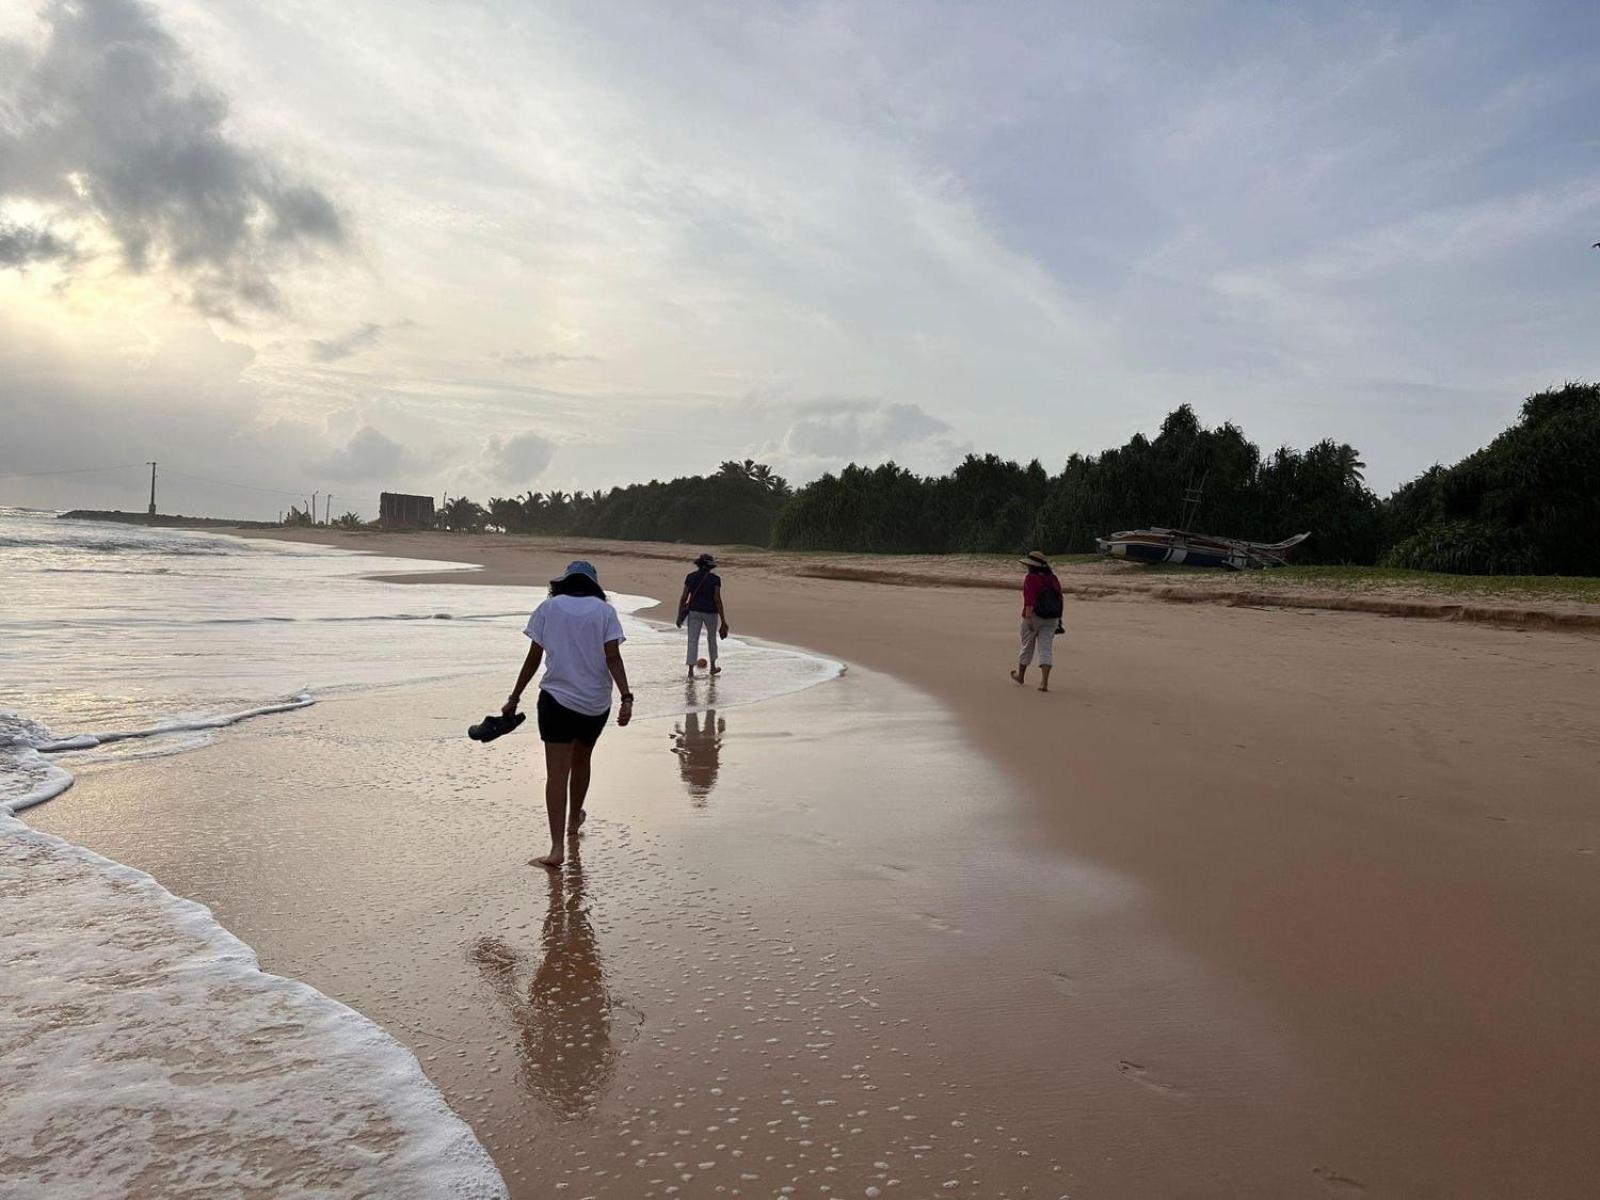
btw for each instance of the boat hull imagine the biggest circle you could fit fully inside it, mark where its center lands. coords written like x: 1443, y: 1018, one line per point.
x: 1193, y: 550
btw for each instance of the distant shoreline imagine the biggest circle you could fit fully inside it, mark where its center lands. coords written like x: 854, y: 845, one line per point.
x: 1547, y: 604
x: 162, y: 520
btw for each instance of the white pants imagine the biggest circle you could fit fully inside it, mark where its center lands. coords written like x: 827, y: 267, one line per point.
x: 708, y: 622
x: 1040, y: 632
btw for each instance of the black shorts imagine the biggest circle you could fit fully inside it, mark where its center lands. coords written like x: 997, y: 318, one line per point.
x: 558, y: 723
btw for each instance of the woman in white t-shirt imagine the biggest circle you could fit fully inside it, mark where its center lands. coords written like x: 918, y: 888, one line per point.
x: 579, y: 637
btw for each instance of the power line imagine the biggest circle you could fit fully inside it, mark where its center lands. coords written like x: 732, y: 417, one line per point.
x: 69, y: 471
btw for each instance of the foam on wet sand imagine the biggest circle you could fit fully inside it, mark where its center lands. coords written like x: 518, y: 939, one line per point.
x: 147, y: 1054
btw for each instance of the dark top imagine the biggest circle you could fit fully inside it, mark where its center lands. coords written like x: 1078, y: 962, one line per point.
x: 1035, y: 582
x: 702, y: 588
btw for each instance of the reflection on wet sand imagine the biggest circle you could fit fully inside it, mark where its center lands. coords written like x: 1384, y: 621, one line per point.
x: 562, y: 1010
x: 698, y: 744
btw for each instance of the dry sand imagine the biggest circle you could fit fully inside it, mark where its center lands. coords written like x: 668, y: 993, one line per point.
x: 1293, y: 902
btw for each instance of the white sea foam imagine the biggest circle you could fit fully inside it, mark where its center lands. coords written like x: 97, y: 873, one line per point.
x: 87, y: 741
x: 148, y: 1054
x: 27, y: 777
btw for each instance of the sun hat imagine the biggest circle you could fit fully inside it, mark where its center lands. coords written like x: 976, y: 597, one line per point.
x: 1035, y: 558
x: 579, y: 567
x: 705, y: 560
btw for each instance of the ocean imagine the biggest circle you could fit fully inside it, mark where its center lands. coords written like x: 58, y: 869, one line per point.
x: 119, y: 640
x: 122, y: 642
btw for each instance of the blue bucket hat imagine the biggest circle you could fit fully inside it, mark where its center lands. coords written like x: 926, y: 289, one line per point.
x: 579, y: 567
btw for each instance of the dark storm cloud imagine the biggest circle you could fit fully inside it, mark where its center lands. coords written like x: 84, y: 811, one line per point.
x: 20, y: 246
x: 106, y: 121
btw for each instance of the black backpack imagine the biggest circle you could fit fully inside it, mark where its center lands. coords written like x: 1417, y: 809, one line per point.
x: 1048, y: 604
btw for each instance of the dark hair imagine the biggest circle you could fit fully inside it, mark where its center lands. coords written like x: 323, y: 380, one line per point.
x: 577, y: 585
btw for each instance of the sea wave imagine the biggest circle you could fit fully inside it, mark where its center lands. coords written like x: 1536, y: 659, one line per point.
x: 149, y: 1054
x: 28, y: 778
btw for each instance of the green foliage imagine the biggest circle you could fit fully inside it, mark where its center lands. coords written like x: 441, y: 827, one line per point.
x: 989, y: 505
x: 737, y: 504
x: 1529, y: 501
x: 1463, y: 548
x: 463, y: 516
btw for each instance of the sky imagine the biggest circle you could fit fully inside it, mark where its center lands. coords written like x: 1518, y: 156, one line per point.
x: 505, y: 245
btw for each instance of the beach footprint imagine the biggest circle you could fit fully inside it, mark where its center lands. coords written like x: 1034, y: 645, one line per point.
x: 1140, y: 1075
x: 1063, y: 982
x: 1336, y: 1182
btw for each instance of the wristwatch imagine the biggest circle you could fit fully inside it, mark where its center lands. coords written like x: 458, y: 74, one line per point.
x: 626, y: 697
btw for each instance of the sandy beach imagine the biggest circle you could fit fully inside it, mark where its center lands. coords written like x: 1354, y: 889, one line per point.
x: 1256, y: 902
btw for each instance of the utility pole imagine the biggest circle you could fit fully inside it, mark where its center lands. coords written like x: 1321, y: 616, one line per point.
x: 327, y: 510
x: 152, y: 489
x: 314, y: 496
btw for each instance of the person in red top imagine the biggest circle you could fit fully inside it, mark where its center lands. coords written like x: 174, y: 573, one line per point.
x: 1041, y: 617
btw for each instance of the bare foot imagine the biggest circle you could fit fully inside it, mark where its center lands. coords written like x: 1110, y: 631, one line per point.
x: 716, y: 670
x: 1016, y: 677
x: 575, y: 821
x: 1044, y: 687
x: 553, y: 860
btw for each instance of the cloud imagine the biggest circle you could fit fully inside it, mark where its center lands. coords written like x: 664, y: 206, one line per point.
x: 20, y: 246
x: 516, y: 358
x: 518, y: 459
x: 333, y: 349
x: 110, y: 129
x: 828, y: 434
x: 368, y: 455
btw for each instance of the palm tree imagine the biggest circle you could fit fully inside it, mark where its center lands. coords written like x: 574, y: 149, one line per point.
x: 464, y: 516
x: 504, y: 514
x: 1351, y: 468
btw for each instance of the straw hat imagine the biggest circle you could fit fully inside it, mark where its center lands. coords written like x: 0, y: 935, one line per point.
x: 1035, y: 558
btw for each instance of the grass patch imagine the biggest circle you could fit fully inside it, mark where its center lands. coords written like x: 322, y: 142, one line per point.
x: 1507, y: 587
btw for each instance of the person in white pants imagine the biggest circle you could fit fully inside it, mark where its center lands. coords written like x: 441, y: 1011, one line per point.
x: 1041, y: 618
x: 701, y: 608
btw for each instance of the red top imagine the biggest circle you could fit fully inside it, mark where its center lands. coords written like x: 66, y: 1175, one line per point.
x: 1034, y: 584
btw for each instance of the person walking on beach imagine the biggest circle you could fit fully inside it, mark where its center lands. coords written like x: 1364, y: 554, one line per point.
x: 579, y: 637
x: 701, y: 607
x: 1041, y: 617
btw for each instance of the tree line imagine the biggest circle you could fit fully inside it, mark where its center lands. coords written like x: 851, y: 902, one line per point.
x: 1528, y: 503
x: 736, y: 505
x: 989, y: 505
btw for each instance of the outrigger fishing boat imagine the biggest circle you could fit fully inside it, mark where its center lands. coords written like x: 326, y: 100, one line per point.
x: 1157, y: 545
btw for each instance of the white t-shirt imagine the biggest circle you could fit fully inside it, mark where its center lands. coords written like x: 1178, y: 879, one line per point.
x: 574, y: 631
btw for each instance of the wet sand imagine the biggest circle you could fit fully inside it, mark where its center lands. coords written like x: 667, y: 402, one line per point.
x: 1383, y: 835
x: 780, y: 958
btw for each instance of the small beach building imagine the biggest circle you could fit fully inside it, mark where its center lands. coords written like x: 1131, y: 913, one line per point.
x: 399, y: 511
